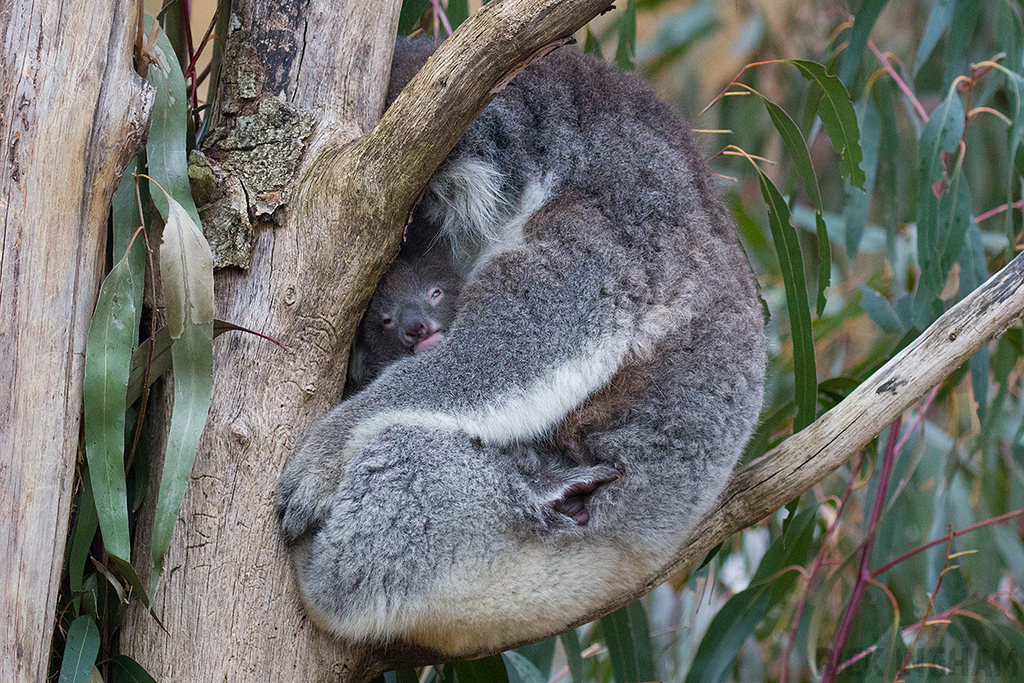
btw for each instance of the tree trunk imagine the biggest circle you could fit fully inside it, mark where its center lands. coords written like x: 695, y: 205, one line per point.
x: 75, y: 114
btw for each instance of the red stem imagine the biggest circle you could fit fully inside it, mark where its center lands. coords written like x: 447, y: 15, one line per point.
x: 863, y: 571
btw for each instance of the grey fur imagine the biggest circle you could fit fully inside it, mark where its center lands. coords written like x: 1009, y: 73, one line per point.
x: 608, y: 350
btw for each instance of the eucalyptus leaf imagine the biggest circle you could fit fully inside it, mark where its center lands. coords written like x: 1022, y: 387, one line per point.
x: 487, y: 670
x: 108, y: 349
x: 628, y: 638
x: 625, y: 51
x: 83, y: 644
x: 127, y: 670
x: 838, y: 117
x: 791, y: 261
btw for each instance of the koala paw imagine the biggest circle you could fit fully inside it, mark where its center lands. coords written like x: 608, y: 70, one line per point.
x: 304, y: 497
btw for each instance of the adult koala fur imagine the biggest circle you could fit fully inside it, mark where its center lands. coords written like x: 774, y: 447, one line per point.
x: 607, y: 356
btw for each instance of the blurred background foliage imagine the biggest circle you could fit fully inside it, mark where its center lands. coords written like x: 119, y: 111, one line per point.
x: 864, y: 577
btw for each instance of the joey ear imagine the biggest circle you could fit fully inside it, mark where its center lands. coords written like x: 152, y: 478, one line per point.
x: 568, y: 490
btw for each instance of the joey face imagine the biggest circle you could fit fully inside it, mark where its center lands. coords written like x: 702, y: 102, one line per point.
x: 411, y: 310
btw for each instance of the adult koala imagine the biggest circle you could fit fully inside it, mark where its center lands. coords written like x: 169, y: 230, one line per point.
x: 603, y: 372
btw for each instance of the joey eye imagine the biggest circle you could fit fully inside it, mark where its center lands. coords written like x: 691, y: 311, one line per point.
x: 436, y: 294
x: 387, y: 321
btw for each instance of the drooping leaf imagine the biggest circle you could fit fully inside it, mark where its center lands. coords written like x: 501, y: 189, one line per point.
x: 192, y: 357
x: 487, y: 670
x: 628, y: 638
x: 791, y: 262
x: 1010, y: 36
x: 186, y: 269
x: 938, y: 20
x: 126, y: 220
x: 863, y: 22
x: 738, y: 618
x: 108, y: 351
x: 573, y: 653
x: 127, y: 670
x: 838, y: 117
x: 166, y: 154
x: 625, y: 51
x: 941, y: 134
x: 83, y: 644
x: 86, y: 524
x: 522, y: 670
x: 797, y: 147
x: 160, y: 359
x: 960, y: 37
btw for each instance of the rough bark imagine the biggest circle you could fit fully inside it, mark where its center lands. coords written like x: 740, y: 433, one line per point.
x: 74, y: 112
x: 228, y: 600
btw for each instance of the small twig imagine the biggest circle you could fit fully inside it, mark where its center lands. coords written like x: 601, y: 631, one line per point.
x: 819, y: 561
x: 863, y: 571
x: 899, y: 81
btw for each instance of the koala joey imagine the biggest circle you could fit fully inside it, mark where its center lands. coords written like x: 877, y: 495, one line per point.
x: 409, y: 313
x: 603, y: 372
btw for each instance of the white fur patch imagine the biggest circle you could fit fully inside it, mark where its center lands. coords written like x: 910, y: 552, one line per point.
x: 510, y: 232
x: 467, y: 203
x: 521, y: 414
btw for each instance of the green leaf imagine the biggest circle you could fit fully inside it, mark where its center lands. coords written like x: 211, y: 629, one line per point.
x: 1009, y: 36
x: 192, y: 357
x: 522, y: 670
x: 941, y: 134
x: 974, y: 272
x: 791, y: 262
x: 858, y: 203
x: 83, y: 644
x: 166, y: 154
x: 412, y: 12
x: 186, y: 272
x: 628, y: 638
x: 573, y: 653
x: 161, y: 356
x: 797, y: 147
x: 960, y: 37
x: 127, y: 670
x: 487, y: 670
x: 737, y: 619
x: 838, y: 117
x: 186, y: 269
x: 108, y: 349
x: 540, y: 654
x: 625, y: 51
x: 86, y: 523
x: 938, y: 20
x: 863, y: 22
x: 590, y: 44
x: 457, y: 12
x: 880, y: 311
x: 126, y: 220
